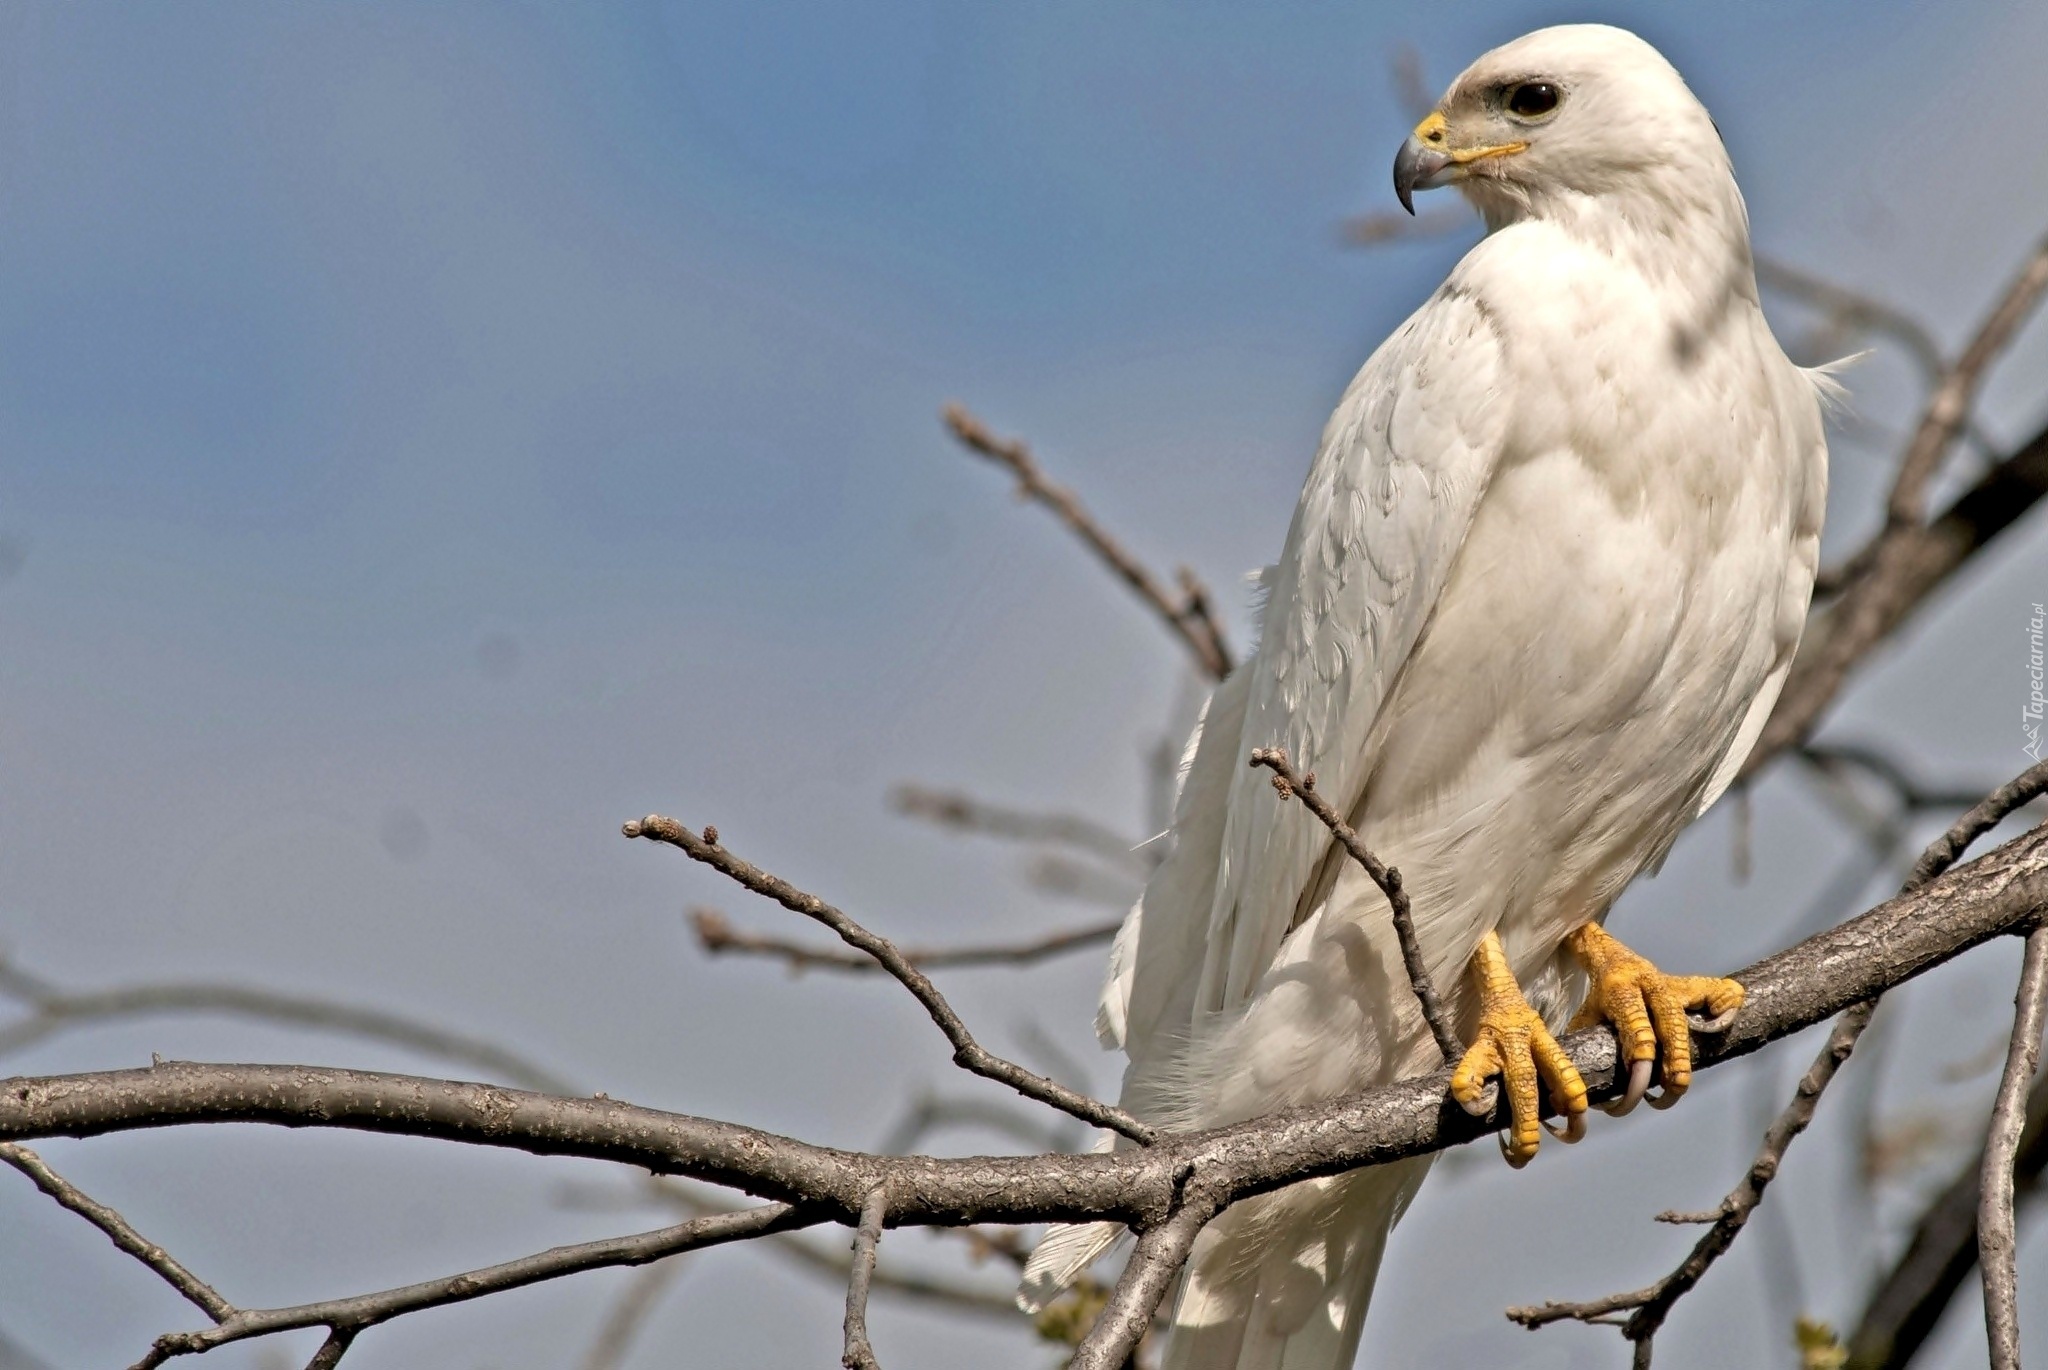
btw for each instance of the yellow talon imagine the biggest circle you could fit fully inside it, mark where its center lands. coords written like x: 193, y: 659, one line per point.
x: 1647, y: 1008
x: 1513, y: 1043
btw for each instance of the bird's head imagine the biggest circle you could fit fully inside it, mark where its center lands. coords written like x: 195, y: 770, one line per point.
x: 1583, y: 110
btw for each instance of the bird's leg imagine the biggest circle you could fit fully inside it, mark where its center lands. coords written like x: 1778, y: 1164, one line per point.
x: 1513, y: 1043
x: 1647, y: 1007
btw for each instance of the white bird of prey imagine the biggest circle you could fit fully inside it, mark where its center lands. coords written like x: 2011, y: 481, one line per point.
x: 1541, y: 591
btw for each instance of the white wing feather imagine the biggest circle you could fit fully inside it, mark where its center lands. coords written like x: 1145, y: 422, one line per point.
x: 1403, y: 464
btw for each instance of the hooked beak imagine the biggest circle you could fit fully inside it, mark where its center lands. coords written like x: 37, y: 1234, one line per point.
x: 1418, y: 167
x: 1427, y: 160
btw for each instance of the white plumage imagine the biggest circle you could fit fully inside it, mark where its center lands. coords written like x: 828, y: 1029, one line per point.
x: 1542, y: 587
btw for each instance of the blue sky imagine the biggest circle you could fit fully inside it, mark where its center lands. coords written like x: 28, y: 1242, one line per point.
x: 431, y: 434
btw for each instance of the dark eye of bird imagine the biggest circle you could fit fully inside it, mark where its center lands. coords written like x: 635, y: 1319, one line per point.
x: 1532, y: 99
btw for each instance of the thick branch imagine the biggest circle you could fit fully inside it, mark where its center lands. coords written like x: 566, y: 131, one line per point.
x: 1289, y: 784
x: 1904, y: 565
x: 968, y: 1054
x: 2001, y: 892
x: 1189, y: 614
x: 717, y: 936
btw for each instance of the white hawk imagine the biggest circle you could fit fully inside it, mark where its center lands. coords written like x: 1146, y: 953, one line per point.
x: 1541, y: 591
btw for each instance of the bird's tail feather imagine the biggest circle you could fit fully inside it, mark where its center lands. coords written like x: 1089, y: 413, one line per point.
x: 1058, y: 1260
x: 1302, y: 1306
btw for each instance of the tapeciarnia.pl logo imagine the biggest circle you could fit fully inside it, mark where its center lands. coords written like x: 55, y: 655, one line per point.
x: 2030, y: 715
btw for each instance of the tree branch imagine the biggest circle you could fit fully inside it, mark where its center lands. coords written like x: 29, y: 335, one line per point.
x: 1149, y: 1272
x: 345, y: 1318
x: 964, y: 813
x: 1189, y: 614
x: 1949, y: 407
x: 717, y: 936
x: 1653, y: 1303
x: 1904, y: 565
x: 1288, y: 784
x: 967, y: 1053
x: 1906, y: 1304
x: 867, y: 1239
x: 2000, y: 892
x: 55, y: 1010
x: 117, y: 1230
x: 1997, y: 1241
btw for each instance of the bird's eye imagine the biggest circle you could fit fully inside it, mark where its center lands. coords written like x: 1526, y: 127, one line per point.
x: 1532, y: 99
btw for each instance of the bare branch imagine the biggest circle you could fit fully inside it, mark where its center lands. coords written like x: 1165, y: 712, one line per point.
x: 1913, y: 794
x: 1998, y: 893
x: 56, y: 1010
x: 1289, y: 784
x: 345, y: 1318
x: 965, y: 813
x: 1854, y: 310
x: 118, y: 1231
x: 1987, y: 814
x: 332, y: 1350
x: 1949, y: 407
x: 1393, y: 226
x: 623, y: 1324
x: 1653, y: 1303
x: 1411, y: 85
x: 832, y: 1263
x: 1154, y: 1263
x: 1904, y: 565
x: 1189, y: 616
x: 867, y: 1238
x: 1905, y: 1305
x: 1997, y: 1239
x: 967, y: 1053
x: 717, y: 936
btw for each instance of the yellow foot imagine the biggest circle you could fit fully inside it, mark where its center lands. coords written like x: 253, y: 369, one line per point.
x: 1513, y: 1044
x: 1647, y: 1008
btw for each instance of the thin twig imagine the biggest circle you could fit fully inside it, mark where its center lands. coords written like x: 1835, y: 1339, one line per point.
x: 968, y: 1054
x: 643, y: 1293
x: 1189, y: 616
x: 55, y: 1010
x: 1913, y: 795
x: 717, y: 936
x: 1997, y: 1239
x: 1987, y: 814
x: 1290, y: 784
x: 1949, y: 407
x: 1653, y: 1303
x: 964, y: 813
x: 349, y: 1316
x: 1854, y: 310
x: 867, y: 1240
x: 118, y: 1230
x: 1411, y: 85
